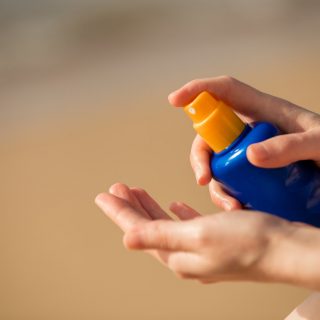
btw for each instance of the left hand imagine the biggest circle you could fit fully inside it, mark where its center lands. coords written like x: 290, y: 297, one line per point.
x: 236, y: 245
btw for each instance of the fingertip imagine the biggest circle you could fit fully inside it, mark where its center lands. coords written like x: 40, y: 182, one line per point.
x: 237, y: 205
x: 99, y: 198
x: 186, y: 93
x: 131, y: 240
x: 222, y: 199
x: 171, y: 96
x: 176, y: 206
x: 231, y: 205
x: 183, y: 211
x: 173, y: 205
x: 258, y: 154
x: 202, y: 171
x: 203, y: 179
x: 116, y: 187
x: 127, y: 241
x: 228, y: 204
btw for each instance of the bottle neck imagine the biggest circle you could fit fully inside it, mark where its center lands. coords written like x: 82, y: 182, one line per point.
x: 214, y: 121
x: 245, y: 131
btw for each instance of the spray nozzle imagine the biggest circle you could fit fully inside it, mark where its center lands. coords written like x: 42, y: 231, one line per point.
x: 215, y: 121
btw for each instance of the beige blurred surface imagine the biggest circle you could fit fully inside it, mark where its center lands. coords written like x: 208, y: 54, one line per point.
x: 70, y: 127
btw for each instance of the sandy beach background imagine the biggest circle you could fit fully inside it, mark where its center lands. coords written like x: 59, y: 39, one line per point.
x: 83, y: 104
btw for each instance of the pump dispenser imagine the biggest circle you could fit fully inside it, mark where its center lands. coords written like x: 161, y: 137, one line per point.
x: 215, y: 122
x: 291, y: 192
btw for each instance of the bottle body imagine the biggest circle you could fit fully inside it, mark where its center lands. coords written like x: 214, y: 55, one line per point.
x: 291, y: 192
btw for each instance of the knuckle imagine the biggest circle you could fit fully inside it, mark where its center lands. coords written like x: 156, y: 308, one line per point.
x: 228, y: 82
x: 135, y: 228
x: 196, y: 85
x: 200, y: 237
x: 156, y: 229
x: 301, y: 138
x: 193, y: 83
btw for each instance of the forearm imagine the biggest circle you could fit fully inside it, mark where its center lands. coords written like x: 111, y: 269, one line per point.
x: 309, y: 309
x: 294, y: 257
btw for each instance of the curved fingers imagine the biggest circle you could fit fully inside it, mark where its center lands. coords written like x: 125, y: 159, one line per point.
x: 183, y: 211
x: 249, y: 102
x: 221, y: 198
x: 120, y: 211
x: 200, y: 160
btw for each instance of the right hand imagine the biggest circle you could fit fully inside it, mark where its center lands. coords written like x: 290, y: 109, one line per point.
x: 301, y: 128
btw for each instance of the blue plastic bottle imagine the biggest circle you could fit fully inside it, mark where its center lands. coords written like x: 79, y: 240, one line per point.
x: 291, y: 192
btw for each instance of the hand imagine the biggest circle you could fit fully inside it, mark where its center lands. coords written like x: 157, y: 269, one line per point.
x: 308, y: 310
x: 301, y: 128
x: 225, y: 246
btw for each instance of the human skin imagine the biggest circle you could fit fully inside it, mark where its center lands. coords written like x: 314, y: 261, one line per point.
x: 301, y: 128
x: 234, y: 244
x: 308, y: 310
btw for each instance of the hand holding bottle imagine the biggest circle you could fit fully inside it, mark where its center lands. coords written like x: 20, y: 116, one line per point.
x: 302, y: 128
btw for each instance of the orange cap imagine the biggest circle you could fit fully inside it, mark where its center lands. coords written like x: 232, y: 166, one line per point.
x: 215, y: 122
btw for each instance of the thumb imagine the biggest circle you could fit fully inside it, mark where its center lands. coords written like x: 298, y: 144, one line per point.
x: 284, y: 149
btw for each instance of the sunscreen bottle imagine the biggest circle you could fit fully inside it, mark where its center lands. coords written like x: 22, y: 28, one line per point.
x: 291, y: 192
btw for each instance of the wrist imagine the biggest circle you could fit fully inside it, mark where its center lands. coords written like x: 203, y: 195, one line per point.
x: 293, y: 255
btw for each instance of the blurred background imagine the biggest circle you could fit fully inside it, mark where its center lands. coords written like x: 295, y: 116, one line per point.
x: 83, y: 104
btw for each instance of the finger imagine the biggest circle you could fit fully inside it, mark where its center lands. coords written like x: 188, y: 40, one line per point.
x: 284, y: 149
x: 200, y: 160
x: 119, y: 211
x: 248, y: 101
x: 162, y: 235
x: 161, y: 255
x: 187, y: 264
x: 122, y: 191
x: 149, y: 204
x: 184, y: 264
x: 234, y: 92
x: 221, y: 199
x: 183, y: 211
